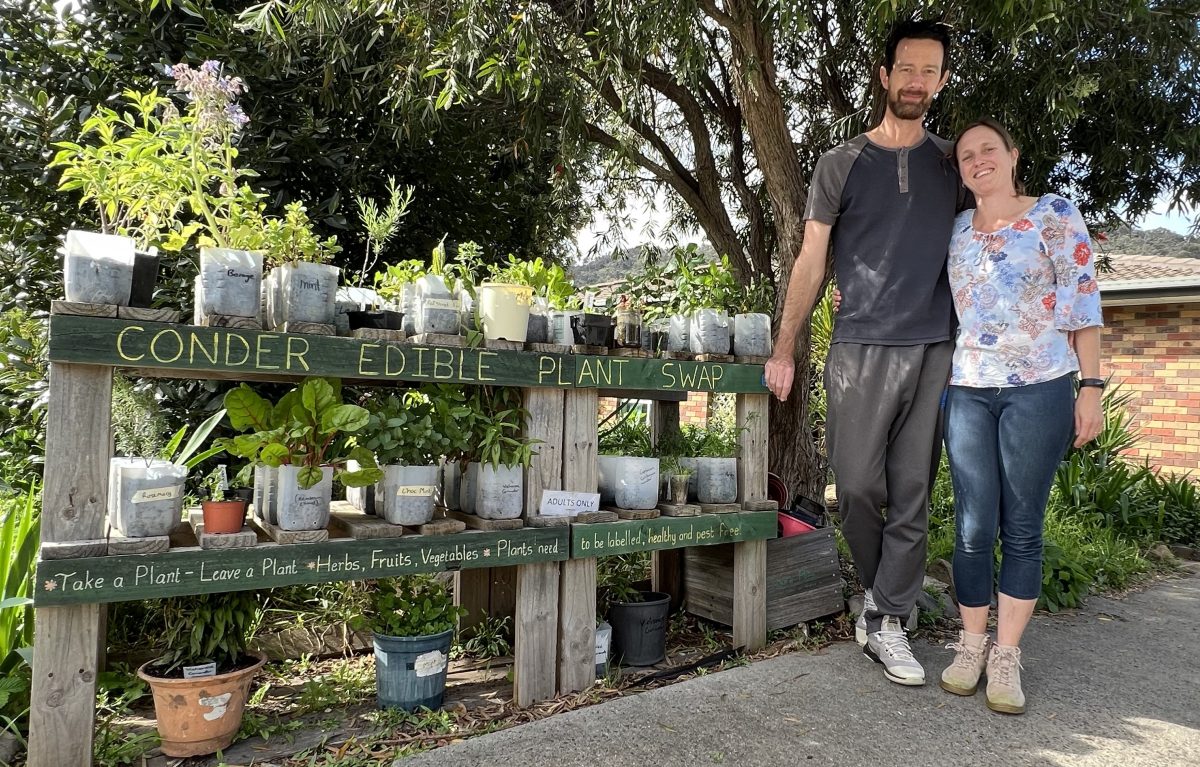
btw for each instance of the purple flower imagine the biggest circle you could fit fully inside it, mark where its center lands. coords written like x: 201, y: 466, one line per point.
x: 237, y: 117
x: 211, y: 67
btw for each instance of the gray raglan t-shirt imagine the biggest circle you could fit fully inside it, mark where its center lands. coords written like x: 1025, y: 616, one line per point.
x: 891, y: 212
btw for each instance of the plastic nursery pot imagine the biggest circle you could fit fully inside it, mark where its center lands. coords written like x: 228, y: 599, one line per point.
x: 562, y: 327
x: 230, y: 282
x: 200, y: 716
x: 639, y: 629
x: 504, y: 311
x: 627, y: 482
x: 716, y: 480
x: 98, y: 268
x: 592, y: 329
x: 499, y: 492
x: 406, y: 494
x: 223, y: 517
x: 628, y: 330
x: 679, y: 489
x: 145, y: 497
x: 301, y: 508
x: 385, y: 319
x: 266, y: 493
x: 145, y: 278
x: 752, y: 335
x: 708, y: 332
x: 537, y: 331
x: 308, y: 292
x: 410, y: 672
x: 451, y: 480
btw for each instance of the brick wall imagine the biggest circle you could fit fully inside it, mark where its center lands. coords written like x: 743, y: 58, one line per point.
x: 1154, y: 351
x: 693, y: 411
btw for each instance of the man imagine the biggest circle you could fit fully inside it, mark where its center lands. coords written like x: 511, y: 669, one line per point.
x: 886, y: 199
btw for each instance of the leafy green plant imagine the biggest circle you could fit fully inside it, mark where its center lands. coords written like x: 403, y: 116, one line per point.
x: 402, y: 430
x: 618, y: 579
x: 306, y: 428
x: 1065, y: 581
x: 467, y: 267
x: 498, y: 418
x: 139, y: 428
x: 381, y: 224
x: 410, y: 606
x: 291, y: 239
x: 491, y: 638
x: 629, y: 437
x: 19, y: 540
x: 548, y: 279
x: 23, y: 394
x: 207, y: 627
x: 389, y: 283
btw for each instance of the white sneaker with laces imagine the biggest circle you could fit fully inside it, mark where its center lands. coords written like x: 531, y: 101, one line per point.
x: 889, y: 647
x: 860, y: 626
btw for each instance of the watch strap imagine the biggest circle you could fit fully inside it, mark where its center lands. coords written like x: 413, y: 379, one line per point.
x: 1093, y: 382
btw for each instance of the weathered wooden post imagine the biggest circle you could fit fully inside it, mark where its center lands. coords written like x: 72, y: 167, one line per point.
x: 750, y: 557
x: 577, y: 588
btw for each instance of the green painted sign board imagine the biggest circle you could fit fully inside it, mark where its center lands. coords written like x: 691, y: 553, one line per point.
x: 608, y: 538
x: 196, y: 571
x: 197, y: 350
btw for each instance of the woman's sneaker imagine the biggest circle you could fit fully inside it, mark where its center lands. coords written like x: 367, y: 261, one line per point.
x: 961, y: 677
x: 889, y: 646
x: 1004, y: 692
x: 860, y: 625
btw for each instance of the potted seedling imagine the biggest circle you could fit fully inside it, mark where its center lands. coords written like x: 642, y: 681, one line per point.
x: 223, y: 512
x: 201, y: 682
x: 146, y: 486
x: 551, y: 288
x: 752, y: 323
x: 504, y: 302
x: 494, y: 484
x: 716, y: 465
x: 413, y: 618
x: 403, y: 437
x: 396, y: 286
x: 638, y: 618
x: 628, y: 467
x: 709, y: 290
x: 438, y: 310
x: 302, y: 284
x: 381, y: 225
x: 304, y: 438
x: 678, y: 477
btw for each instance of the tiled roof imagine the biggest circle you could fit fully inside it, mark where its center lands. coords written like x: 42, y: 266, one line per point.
x: 1128, y: 267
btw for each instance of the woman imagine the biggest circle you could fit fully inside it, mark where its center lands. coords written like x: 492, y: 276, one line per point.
x: 1024, y: 286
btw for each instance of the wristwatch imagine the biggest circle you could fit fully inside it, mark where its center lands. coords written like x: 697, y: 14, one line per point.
x: 1097, y: 383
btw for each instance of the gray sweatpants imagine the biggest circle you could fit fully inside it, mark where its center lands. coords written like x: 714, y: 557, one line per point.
x: 883, y: 434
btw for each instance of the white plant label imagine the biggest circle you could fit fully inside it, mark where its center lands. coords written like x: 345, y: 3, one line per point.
x: 156, y: 494
x: 224, y: 476
x: 560, y: 503
x: 430, y: 663
x: 415, y: 491
x: 219, y: 705
x: 440, y: 303
x: 603, y: 635
x: 202, y: 670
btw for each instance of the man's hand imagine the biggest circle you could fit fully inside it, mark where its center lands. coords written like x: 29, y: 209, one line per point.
x: 779, y: 372
x: 1089, y: 415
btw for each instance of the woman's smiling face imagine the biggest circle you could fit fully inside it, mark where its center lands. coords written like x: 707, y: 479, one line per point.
x: 986, y: 164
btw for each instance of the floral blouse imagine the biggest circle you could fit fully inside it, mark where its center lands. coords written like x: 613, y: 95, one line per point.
x: 1017, y: 292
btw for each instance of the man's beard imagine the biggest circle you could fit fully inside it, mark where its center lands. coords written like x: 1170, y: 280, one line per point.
x: 909, y: 110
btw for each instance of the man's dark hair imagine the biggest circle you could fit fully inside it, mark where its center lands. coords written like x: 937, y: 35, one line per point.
x: 917, y: 30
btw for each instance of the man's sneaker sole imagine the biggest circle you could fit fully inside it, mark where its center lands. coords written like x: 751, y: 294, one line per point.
x: 906, y: 681
x: 964, y: 691
x: 1004, y: 708
x: 860, y: 636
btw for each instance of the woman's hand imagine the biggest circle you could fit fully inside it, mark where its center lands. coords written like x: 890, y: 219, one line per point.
x: 1089, y: 415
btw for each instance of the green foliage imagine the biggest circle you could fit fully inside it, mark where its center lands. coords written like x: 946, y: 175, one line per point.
x: 207, y: 627
x: 497, y: 420
x: 410, y: 606
x: 389, y: 283
x: 307, y: 428
x: 548, y: 279
x: 406, y: 428
x: 618, y: 579
x: 630, y: 437
x: 381, y: 224
x: 491, y: 638
x: 292, y: 238
x: 139, y: 428
x: 23, y: 391
x: 693, y: 441
x: 1065, y: 582
x: 19, y: 540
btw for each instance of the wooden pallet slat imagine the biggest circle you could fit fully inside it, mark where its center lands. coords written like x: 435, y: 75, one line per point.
x: 245, y: 538
x: 475, y: 522
x: 360, y: 526
x: 438, y: 339
x: 288, y: 537
x: 83, y: 309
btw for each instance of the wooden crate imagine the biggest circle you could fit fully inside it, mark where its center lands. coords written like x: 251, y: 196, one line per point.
x: 803, y: 580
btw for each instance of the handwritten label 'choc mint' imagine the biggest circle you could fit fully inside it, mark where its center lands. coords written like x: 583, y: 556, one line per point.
x: 414, y: 491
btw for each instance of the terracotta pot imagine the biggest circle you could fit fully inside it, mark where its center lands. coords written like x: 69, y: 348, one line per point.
x: 200, y: 716
x: 223, y: 516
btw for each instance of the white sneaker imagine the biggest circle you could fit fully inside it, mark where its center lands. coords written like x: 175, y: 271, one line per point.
x: 889, y: 646
x: 860, y: 626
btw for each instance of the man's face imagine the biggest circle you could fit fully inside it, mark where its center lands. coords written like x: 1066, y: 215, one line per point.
x: 915, y: 78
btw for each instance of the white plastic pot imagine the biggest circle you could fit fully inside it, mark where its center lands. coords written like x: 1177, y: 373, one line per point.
x: 303, y: 508
x: 266, y: 493
x: 499, y: 491
x: 406, y: 494
x: 451, y: 482
x: 98, y: 268
x: 145, y: 496
x: 307, y: 292
x: 504, y: 311
x: 677, y: 333
x: 466, y: 488
x: 752, y: 335
x: 230, y: 282
x: 627, y: 482
x: 560, y: 327
x: 716, y: 480
x: 708, y: 332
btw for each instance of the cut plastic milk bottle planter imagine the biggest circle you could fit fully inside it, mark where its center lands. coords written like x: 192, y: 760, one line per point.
x: 467, y: 494
x: 303, y: 508
x: 145, y: 497
x: 628, y: 482
x: 716, y: 480
x: 537, y: 330
x: 677, y: 333
x: 499, y: 491
x: 98, y: 268
x: 752, y: 335
x: 451, y: 483
x: 309, y: 292
x: 230, y: 282
x: 266, y: 493
x: 436, y: 309
x: 407, y: 494
x: 504, y: 311
x: 708, y: 332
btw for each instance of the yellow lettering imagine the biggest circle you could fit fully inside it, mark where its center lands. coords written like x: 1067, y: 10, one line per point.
x: 603, y: 371
x: 620, y: 370
x: 688, y: 381
x: 121, y: 343
x: 562, y: 381
x: 154, y: 344
x: 439, y: 364
x: 196, y: 341
x: 543, y: 370
x: 363, y: 360
x: 421, y: 363
x: 387, y: 360
x: 705, y: 375
x: 585, y: 371
x: 229, y: 339
x: 259, y: 348
x: 481, y: 367
x: 717, y: 372
x: 299, y: 355
x: 461, y: 361
x: 670, y: 376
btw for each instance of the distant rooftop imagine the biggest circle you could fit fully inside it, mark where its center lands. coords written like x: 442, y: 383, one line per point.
x: 1157, y: 279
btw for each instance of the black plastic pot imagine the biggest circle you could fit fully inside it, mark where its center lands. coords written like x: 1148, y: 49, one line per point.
x: 145, y: 277
x: 639, y: 633
x: 593, y: 329
x: 658, y: 341
x: 376, y: 320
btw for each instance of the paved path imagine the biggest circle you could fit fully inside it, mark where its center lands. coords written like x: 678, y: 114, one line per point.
x: 1114, y: 685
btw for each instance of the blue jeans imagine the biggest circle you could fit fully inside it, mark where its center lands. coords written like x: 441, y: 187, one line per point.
x: 1004, y: 446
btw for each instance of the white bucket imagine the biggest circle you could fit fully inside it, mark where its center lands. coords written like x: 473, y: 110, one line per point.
x: 98, y: 268
x: 230, y: 282
x: 504, y: 310
x: 628, y: 482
